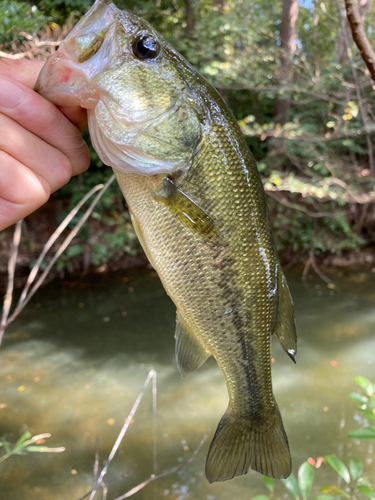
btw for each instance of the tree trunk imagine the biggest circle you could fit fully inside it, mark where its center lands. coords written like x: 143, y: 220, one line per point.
x: 288, y: 48
x: 189, y: 18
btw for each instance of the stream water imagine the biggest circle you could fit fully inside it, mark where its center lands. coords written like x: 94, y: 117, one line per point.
x: 75, y: 360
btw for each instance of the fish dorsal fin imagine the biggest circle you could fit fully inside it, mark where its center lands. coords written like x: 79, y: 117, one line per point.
x: 186, y: 210
x: 189, y: 354
x: 285, y: 328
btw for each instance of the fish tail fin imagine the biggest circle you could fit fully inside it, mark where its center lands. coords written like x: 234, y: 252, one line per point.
x: 239, y: 445
x: 285, y: 328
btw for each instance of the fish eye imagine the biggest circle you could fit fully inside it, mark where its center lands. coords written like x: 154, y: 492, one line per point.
x: 145, y: 47
x: 90, y: 52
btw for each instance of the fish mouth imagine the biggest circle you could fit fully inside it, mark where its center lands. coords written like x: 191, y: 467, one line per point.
x: 62, y: 82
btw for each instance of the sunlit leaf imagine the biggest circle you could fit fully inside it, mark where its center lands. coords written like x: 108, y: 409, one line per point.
x: 356, y: 468
x: 365, y: 384
x: 334, y: 491
x: 305, y: 479
x: 368, y: 492
x: 363, y: 481
x: 366, y: 433
x: 290, y: 484
x: 358, y: 397
x: 268, y: 482
x: 25, y: 436
x: 339, y: 467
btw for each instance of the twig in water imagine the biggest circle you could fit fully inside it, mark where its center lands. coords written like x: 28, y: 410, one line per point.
x: 154, y: 425
x: 26, y: 294
x: 312, y: 263
x: 96, y: 463
x: 134, y: 490
x: 10, y: 286
x: 151, y: 375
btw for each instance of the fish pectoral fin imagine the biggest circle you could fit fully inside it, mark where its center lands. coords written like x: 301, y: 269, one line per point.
x: 285, y: 328
x: 239, y: 445
x: 186, y: 210
x: 189, y: 354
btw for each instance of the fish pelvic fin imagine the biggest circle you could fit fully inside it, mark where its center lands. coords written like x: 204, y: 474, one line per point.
x: 285, y: 328
x: 239, y: 445
x: 189, y: 354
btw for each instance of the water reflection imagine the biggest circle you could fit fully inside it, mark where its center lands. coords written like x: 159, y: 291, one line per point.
x: 82, y: 351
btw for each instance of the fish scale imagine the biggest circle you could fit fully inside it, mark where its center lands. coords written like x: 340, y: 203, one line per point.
x: 198, y: 207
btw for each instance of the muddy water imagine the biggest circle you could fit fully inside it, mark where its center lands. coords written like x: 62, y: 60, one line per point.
x: 75, y: 360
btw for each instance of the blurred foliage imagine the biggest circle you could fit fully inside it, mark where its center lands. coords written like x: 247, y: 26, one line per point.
x: 16, y: 17
x: 353, y: 483
x: 316, y: 167
x: 26, y: 444
x: 366, y: 409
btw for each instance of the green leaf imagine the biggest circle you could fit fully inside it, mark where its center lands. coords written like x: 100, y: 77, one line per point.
x: 363, y: 481
x: 324, y: 497
x: 358, y: 397
x: 74, y: 250
x: 356, y: 469
x: 365, y: 384
x: 305, y: 479
x: 368, y: 492
x: 268, y: 482
x: 339, y: 467
x: 366, y: 433
x: 368, y: 414
x: 25, y: 436
x: 261, y: 497
x: 334, y: 491
x: 290, y: 484
x: 6, y: 446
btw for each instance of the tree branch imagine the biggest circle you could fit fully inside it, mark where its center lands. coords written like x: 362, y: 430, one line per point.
x: 317, y: 215
x: 359, y: 35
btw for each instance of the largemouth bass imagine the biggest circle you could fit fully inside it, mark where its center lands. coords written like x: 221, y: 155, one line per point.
x: 199, y: 209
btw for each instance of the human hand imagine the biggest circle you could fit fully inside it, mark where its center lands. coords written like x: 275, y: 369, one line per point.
x: 41, y: 145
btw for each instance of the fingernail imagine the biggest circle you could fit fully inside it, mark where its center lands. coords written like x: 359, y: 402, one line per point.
x: 10, y: 93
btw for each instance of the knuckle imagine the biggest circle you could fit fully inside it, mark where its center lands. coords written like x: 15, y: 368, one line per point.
x: 41, y: 194
x: 83, y: 157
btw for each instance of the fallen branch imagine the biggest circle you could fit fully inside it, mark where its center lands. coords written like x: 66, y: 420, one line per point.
x: 312, y: 263
x: 356, y: 23
x: 301, y: 208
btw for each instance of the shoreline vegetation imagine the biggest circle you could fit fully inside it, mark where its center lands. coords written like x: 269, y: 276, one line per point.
x: 297, y: 84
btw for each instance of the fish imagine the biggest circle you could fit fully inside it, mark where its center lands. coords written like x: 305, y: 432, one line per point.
x: 199, y: 209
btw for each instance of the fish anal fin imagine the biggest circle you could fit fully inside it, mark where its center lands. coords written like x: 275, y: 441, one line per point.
x: 238, y: 445
x: 189, y: 354
x: 285, y: 328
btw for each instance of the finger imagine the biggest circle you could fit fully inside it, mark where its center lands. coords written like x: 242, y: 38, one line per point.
x: 27, y: 148
x: 26, y: 72
x: 22, y: 191
x: 76, y: 115
x: 42, y: 118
